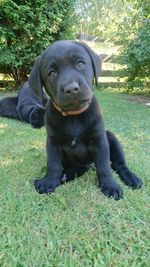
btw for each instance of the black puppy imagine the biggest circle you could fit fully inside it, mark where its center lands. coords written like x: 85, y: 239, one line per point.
x: 27, y: 107
x: 76, y: 135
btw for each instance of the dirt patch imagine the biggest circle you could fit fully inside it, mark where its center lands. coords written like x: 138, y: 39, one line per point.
x: 138, y: 99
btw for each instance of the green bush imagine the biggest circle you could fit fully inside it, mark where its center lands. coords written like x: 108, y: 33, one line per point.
x: 27, y: 28
x: 136, y: 55
x: 136, y: 47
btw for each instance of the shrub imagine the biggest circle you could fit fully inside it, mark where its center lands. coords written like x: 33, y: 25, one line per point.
x: 136, y: 49
x: 27, y: 28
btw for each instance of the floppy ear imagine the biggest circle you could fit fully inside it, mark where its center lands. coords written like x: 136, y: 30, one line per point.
x: 96, y: 62
x: 35, y: 80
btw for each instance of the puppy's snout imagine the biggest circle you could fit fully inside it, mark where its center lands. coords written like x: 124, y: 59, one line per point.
x: 71, y: 88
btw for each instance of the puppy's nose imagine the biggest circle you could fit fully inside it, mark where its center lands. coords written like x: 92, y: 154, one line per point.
x: 71, y: 88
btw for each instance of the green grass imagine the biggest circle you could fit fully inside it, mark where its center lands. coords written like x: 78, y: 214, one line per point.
x: 75, y: 226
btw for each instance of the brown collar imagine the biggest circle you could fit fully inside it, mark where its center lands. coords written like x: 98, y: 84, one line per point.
x: 72, y: 112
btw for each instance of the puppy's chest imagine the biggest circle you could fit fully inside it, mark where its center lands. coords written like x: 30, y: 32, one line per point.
x: 75, y: 130
x: 75, y: 145
x: 74, y: 139
x: 72, y: 133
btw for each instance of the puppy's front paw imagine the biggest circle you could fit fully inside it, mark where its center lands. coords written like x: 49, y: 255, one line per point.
x: 37, y: 117
x: 112, y: 189
x: 45, y: 185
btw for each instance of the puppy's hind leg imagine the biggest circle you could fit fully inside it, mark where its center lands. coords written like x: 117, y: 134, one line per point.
x: 118, y: 162
x: 8, y: 107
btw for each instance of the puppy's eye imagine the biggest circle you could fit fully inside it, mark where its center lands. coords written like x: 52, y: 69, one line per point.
x: 80, y: 65
x: 52, y: 74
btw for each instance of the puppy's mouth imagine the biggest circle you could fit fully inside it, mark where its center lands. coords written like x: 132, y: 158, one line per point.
x: 75, y: 105
x: 73, y: 108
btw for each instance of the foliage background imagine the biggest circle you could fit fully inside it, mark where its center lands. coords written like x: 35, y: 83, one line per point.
x: 27, y: 28
x: 126, y: 23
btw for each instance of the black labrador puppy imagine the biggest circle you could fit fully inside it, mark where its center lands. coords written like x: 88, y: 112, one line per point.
x: 26, y: 106
x: 76, y: 136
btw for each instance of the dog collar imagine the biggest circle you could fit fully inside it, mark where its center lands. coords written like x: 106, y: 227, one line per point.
x: 72, y: 112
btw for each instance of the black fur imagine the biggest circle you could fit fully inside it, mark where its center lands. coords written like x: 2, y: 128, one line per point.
x: 27, y: 107
x: 67, y: 70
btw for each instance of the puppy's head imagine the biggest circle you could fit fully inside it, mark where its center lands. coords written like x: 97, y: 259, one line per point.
x: 67, y: 70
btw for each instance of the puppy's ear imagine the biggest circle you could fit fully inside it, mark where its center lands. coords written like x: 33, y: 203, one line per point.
x: 96, y: 62
x: 35, y: 80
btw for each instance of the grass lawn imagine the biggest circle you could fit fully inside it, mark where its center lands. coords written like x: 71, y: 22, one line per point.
x: 75, y: 226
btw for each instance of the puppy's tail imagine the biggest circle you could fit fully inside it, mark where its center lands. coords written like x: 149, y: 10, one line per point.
x: 8, y: 107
